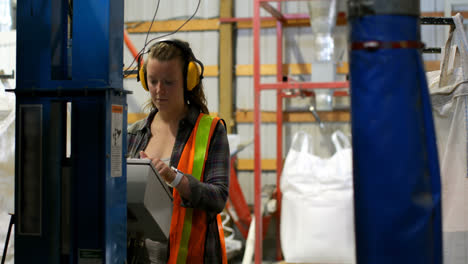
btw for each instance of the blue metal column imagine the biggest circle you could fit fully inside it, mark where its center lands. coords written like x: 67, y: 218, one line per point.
x: 396, y: 172
x: 70, y: 207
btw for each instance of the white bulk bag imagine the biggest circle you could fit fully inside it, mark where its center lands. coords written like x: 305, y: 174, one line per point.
x: 317, y: 211
x: 449, y: 95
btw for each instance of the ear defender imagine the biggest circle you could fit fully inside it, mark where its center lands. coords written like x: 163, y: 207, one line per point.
x: 142, y: 77
x: 194, y: 75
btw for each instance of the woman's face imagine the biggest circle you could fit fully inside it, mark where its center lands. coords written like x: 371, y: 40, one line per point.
x: 166, y: 84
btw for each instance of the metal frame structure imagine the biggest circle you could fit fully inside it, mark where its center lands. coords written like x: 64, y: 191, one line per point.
x: 70, y: 173
x: 279, y: 86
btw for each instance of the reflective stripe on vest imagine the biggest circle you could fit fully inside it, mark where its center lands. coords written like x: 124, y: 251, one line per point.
x: 188, y: 226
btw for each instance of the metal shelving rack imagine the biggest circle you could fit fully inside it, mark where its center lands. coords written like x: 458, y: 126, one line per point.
x: 280, y: 86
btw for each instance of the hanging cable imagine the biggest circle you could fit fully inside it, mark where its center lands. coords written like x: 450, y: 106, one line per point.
x: 151, y: 25
x: 142, y: 51
x: 175, y: 31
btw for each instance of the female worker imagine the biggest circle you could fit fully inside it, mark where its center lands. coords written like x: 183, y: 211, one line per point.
x: 188, y: 148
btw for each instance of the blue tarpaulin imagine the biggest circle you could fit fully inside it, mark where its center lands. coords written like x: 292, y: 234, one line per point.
x: 396, y: 171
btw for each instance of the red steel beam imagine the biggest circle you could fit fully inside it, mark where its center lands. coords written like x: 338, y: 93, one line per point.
x: 130, y: 46
x: 245, y: 19
x: 279, y: 86
x: 308, y: 92
x: 303, y: 85
x: 237, y: 201
x: 257, y: 149
x: 311, y: 93
x: 279, y: 130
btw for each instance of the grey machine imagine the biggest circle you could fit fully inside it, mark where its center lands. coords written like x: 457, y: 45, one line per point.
x: 149, y: 205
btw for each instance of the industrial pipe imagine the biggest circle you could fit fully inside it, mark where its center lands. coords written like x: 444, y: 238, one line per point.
x: 130, y: 46
x: 396, y: 172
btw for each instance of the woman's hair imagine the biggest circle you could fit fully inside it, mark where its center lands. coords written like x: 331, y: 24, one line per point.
x: 165, y: 51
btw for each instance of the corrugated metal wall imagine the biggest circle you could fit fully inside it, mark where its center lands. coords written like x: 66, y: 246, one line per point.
x: 297, y: 49
x: 168, y: 10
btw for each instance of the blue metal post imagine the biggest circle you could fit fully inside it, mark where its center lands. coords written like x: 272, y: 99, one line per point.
x: 70, y: 208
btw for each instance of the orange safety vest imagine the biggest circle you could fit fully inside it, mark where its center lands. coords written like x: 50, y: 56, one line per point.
x: 188, y: 225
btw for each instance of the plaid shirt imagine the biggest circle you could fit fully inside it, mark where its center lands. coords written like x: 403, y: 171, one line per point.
x: 209, y: 195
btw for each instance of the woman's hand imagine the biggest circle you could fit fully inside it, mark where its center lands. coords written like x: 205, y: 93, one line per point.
x: 167, y: 173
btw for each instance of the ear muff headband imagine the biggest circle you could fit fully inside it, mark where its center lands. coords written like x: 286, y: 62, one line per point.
x: 142, y: 77
x: 193, y: 74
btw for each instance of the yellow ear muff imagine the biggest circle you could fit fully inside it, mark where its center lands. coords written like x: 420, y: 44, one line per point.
x: 142, y: 75
x: 193, y: 75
